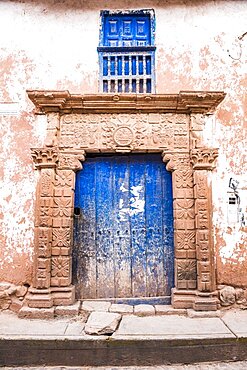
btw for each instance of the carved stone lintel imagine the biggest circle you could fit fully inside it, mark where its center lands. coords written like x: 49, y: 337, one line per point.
x: 204, y: 158
x: 44, y: 157
x: 184, y: 102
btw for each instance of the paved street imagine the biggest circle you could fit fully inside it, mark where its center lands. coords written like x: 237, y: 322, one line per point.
x: 242, y: 365
x: 135, y: 340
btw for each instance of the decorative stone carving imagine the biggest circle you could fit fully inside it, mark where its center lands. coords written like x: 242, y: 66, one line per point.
x: 204, y: 158
x: 183, y: 184
x: 123, y: 136
x: 124, y: 131
x: 43, y: 241
x: 61, y: 271
x: 46, y: 183
x: 71, y: 161
x: 186, y: 274
x: 185, y: 244
x: 45, y: 157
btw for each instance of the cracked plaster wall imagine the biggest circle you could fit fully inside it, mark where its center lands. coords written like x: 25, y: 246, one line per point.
x: 52, y: 45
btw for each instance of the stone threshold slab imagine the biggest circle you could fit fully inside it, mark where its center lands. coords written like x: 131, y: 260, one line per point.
x: 172, y: 326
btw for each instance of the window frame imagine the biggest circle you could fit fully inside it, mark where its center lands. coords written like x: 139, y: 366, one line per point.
x: 106, y: 50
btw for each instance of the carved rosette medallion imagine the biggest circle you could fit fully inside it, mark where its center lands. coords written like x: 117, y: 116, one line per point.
x: 123, y: 136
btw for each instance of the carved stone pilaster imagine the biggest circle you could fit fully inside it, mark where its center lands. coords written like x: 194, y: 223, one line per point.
x: 45, y: 160
x: 61, y: 260
x: 43, y: 227
x: 203, y: 162
x: 184, y: 219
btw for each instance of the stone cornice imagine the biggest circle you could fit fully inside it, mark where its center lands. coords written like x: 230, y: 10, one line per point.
x: 185, y: 102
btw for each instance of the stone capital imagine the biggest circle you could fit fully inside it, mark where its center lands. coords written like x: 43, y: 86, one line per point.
x: 45, y: 157
x: 204, y: 158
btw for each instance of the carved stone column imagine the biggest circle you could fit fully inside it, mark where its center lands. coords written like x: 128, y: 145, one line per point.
x: 184, y: 229
x: 45, y: 160
x: 63, y: 292
x: 53, y: 228
x: 203, y: 160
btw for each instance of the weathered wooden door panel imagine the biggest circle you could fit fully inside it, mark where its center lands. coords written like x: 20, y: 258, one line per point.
x: 123, y: 236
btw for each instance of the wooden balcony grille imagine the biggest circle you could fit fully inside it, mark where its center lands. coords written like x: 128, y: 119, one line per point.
x: 127, y: 72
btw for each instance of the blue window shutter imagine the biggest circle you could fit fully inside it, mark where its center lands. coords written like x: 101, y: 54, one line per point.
x: 126, y: 52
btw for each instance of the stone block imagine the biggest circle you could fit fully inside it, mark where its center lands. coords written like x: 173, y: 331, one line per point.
x: 36, y: 313
x: 63, y: 296
x: 95, y: 306
x: 21, y: 291
x: 169, y: 310
x: 121, y: 308
x: 144, y: 310
x: 100, y: 323
x: 15, y: 305
x: 39, y: 300
x: 227, y: 296
x: 205, y: 304
x: 203, y: 314
x: 72, y: 310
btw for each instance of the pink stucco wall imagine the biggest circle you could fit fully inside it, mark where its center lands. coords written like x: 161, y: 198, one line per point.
x: 53, y: 45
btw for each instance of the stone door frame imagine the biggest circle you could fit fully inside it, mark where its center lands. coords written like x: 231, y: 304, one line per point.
x: 104, y: 123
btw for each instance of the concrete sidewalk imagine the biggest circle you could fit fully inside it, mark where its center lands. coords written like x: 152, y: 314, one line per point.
x: 149, y: 340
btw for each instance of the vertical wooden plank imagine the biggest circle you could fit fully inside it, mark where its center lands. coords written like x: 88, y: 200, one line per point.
x: 122, y: 252
x: 168, y: 230
x: 85, y: 230
x: 154, y: 226
x: 137, y: 224
x: 104, y: 234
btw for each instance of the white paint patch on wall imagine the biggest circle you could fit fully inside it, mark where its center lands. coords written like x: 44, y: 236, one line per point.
x: 7, y: 108
x: 17, y: 188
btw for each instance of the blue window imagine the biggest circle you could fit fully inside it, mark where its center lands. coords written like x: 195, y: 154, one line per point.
x: 126, y: 52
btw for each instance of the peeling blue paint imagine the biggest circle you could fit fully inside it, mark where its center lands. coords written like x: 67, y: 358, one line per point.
x: 124, y: 235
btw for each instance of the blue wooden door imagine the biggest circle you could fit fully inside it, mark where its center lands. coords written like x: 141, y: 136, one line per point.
x: 123, y: 234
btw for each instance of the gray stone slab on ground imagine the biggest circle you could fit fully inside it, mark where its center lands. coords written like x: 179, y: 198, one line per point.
x: 236, y: 321
x: 172, y: 327
x: 10, y: 324
x: 100, y: 323
x: 121, y: 308
x: 161, y: 309
x: 144, y: 310
x: 95, y: 306
x: 71, y: 310
x: 75, y: 328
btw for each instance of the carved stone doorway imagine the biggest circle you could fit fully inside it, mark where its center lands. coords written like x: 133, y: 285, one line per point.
x: 81, y: 124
